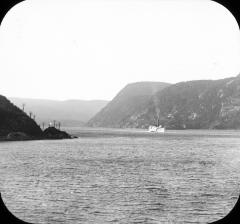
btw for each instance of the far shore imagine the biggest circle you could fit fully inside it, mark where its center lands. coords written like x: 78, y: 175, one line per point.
x: 76, y: 132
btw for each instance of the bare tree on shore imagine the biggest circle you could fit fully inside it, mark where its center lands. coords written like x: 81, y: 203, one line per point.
x: 23, y: 106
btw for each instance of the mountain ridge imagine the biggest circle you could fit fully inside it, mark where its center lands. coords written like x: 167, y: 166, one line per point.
x: 133, y: 97
x: 196, y: 104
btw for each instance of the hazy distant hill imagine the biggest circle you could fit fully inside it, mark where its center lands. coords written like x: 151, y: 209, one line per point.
x: 69, y: 112
x: 12, y: 119
x: 128, y: 102
x: 192, y: 105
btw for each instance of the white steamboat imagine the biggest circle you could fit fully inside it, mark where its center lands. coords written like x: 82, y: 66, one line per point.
x: 157, y: 129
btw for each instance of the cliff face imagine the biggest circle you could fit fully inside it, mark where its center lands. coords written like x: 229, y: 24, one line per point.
x: 202, y: 104
x: 128, y: 102
x: 12, y: 119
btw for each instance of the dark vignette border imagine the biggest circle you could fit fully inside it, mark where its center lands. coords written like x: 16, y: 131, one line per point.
x: 233, y: 217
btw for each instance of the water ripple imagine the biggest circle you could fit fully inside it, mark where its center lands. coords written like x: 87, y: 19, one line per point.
x: 124, y: 177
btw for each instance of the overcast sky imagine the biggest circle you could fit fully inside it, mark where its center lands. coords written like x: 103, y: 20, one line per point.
x: 67, y: 49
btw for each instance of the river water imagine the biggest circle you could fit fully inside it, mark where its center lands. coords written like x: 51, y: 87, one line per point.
x: 122, y: 176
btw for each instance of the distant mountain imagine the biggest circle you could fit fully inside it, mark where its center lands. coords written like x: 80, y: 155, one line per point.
x: 12, y: 119
x: 126, y: 105
x: 68, y: 112
x: 202, y: 104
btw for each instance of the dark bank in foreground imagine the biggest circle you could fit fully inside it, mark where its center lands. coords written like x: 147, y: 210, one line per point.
x: 48, y: 133
x: 15, y: 124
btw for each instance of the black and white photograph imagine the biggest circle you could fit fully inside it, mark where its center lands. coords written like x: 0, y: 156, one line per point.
x: 119, y: 111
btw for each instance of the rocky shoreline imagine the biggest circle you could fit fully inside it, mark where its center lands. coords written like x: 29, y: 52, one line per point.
x: 48, y: 133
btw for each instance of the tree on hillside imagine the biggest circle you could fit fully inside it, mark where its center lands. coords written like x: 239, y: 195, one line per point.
x: 23, y: 106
